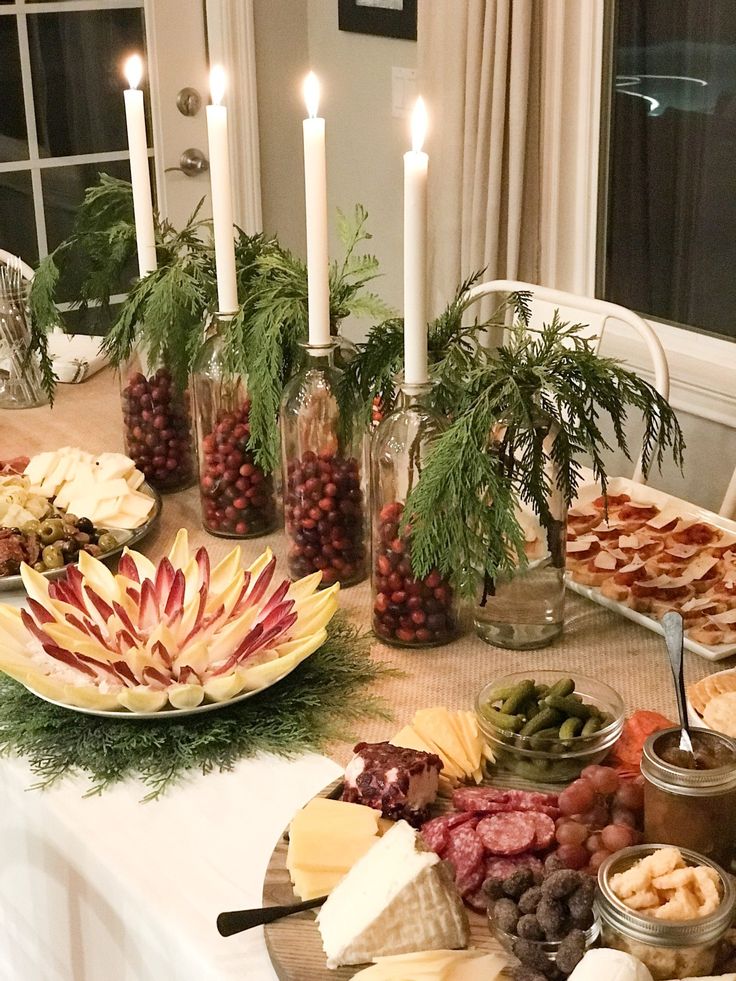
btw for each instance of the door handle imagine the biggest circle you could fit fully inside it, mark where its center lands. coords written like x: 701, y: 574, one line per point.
x: 191, y: 163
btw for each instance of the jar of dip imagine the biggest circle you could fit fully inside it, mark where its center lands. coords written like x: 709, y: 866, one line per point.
x: 690, y: 801
x: 669, y: 948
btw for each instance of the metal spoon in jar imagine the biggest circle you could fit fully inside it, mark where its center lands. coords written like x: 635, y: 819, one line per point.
x: 673, y: 634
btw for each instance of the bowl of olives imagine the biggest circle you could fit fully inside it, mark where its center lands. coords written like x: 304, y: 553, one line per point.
x: 52, y: 542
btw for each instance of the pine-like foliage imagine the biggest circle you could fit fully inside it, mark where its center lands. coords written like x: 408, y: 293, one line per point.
x: 527, y: 410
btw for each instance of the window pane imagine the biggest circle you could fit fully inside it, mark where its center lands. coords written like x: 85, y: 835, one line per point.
x: 92, y: 321
x: 63, y: 191
x: 671, y: 245
x: 13, y: 137
x: 17, y: 220
x: 77, y: 60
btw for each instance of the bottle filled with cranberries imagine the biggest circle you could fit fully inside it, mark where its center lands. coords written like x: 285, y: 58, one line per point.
x: 408, y: 610
x: 238, y: 498
x: 157, y: 426
x: 323, y: 468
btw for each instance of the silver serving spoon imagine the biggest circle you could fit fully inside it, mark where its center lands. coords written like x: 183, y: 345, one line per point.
x: 673, y: 634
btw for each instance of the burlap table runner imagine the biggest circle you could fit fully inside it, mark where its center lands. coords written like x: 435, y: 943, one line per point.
x: 595, y: 642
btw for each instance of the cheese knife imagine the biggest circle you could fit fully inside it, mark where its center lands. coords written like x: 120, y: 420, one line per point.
x: 244, y: 919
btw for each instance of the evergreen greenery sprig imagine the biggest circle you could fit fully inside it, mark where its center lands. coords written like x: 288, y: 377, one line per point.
x: 319, y: 703
x: 527, y: 416
x: 451, y: 346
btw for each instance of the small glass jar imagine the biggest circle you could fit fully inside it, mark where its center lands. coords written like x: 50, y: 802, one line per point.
x: 157, y: 424
x: 526, y: 609
x: 238, y: 499
x: 669, y: 948
x: 323, y: 468
x: 407, y: 611
x: 691, y: 808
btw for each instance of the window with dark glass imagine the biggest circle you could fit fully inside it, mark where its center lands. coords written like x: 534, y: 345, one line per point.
x: 669, y: 207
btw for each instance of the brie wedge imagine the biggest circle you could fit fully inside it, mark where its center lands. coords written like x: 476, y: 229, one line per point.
x: 397, y: 899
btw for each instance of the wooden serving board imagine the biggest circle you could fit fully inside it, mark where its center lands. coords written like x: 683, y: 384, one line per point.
x: 294, y: 943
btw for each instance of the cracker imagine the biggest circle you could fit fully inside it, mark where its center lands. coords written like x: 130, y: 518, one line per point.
x: 723, y: 683
x: 720, y: 713
x: 698, y: 696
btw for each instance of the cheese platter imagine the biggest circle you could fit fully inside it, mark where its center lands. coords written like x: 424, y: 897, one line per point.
x: 648, y: 552
x: 391, y: 827
x: 64, y: 502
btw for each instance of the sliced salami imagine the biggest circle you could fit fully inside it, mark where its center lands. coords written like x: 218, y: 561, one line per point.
x: 465, y: 851
x: 500, y: 868
x: 435, y: 832
x: 544, y: 830
x: 508, y: 834
x: 477, y: 900
x: 497, y: 800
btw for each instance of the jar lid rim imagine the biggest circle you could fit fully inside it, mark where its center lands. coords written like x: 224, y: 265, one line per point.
x: 691, y: 782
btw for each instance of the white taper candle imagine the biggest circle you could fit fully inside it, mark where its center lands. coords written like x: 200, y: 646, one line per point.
x: 415, y: 251
x: 222, y: 200
x: 315, y: 189
x: 135, y: 119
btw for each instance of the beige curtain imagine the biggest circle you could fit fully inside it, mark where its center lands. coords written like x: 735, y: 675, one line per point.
x: 479, y: 70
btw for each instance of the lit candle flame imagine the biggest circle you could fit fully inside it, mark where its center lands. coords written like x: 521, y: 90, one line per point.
x: 418, y: 125
x: 311, y: 94
x: 133, y: 71
x: 218, y: 84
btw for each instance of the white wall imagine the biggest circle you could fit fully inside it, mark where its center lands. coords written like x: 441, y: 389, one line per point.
x: 365, y: 144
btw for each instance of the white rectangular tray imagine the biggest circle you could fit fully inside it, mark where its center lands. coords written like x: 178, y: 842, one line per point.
x: 649, y: 495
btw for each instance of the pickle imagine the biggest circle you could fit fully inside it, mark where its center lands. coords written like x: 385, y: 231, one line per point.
x: 545, y: 719
x: 529, y: 709
x: 570, y: 727
x: 501, y: 694
x: 517, y: 697
x: 541, y: 691
x: 590, y: 727
x: 502, y: 720
x: 540, y: 740
x: 565, y: 686
x: 570, y: 705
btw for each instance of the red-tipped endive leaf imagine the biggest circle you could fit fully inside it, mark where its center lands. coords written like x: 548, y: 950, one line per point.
x: 75, y: 582
x: 201, y: 607
x: 122, y: 615
x: 242, y: 601
x: 188, y: 676
x: 148, y: 613
x: 134, y: 594
x: 276, y: 597
x: 59, y: 654
x: 126, y: 674
x: 164, y: 579
x: 160, y: 651
x: 40, y: 613
x: 175, y: 601
x: 103, y: 608
x: 63, y: 594
x: 128, y: 568
x: 278, y: 614
x: 102, y: 667
x: 155, y: 678
x: 261, y: 584
x: 124, y: 640
x: 86, y: 626
x: 32, y: 627
x: 203, y: 561
x: 251, y: 638
x: 268, y: 637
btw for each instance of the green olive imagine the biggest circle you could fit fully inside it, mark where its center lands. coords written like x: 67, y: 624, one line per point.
x: 52, y: 557
x: 51, y: 530
x: 107, y: 542
x: 32, y: 527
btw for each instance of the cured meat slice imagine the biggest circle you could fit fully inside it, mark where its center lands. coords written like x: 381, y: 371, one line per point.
x: 544, y: 830
x: 477, y: 900
x: 496, y: 799
x: 508, y: 834
x: 465, y: 851
x: 436, y: 832
x: 500, y: 868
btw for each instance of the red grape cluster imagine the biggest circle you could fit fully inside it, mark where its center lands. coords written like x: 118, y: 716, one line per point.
x: 237, y: 497
x: 323, y: 510
x: 158, y: 430
x: 407, y: 610
x: 601, y: 814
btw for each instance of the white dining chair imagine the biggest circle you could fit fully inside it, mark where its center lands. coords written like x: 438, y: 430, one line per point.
x: 595, y: 314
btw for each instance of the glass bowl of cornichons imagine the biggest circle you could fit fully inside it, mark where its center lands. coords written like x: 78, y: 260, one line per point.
x: 547, y: 726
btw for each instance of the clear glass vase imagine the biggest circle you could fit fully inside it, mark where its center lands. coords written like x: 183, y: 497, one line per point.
x: 238, y: 499
x: 526, y: 610
x: 20, y: 373
x: 324, y: 513
x: 157, y: 424
x: 407, y: 611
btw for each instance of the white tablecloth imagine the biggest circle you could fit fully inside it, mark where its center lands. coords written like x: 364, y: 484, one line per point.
x: 109, y: 889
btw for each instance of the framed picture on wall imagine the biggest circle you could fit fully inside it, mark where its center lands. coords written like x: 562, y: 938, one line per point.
x: 386, y: 18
